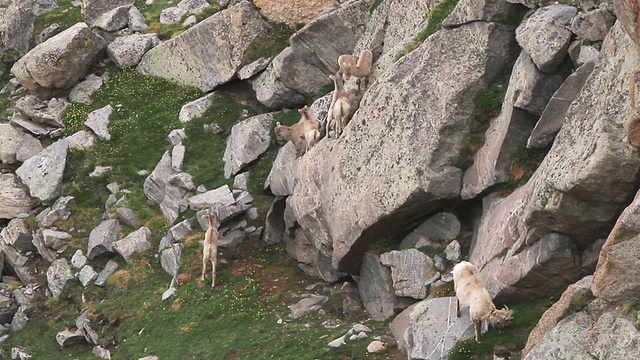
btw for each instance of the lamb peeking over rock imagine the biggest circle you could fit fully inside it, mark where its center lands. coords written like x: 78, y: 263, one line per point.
x: 304, y: 134
x: 471, y: 292
x: 358, y: 66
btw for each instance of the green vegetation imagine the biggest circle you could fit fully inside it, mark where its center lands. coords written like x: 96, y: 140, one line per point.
x: 269, y: 44
x: 488, y: 103
x: 65, y: 15
x: 511, y: 339
x: 501, y: 254
x: 145, y: 111
x: 434, y: 23
x: 4, y: 98
x: 383, y: 245
x: 525, y: 163
x: 152, y: 13
x: 631, y: 309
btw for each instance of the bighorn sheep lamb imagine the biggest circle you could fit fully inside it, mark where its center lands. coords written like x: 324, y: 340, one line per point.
x: 358, y: 66
x: 210, y: 249
x: 304, y: 135
x: 471, y: 292
x: 341, y: 106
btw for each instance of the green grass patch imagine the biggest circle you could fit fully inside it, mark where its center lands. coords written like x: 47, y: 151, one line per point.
x: 66, y: 15
x: 204, y: 150
x: 4, y: 98
x: 269, y: 44
x: 145, y: 111
x: 488, y: 103
x: 151, y: 13
x: 383, y: 245
x: 434, y: 23
x: 512, y: 338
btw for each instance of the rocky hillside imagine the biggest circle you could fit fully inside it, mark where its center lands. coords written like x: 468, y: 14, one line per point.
x: 501, y: 133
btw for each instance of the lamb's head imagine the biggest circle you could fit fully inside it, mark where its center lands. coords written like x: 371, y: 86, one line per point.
x: 281, y: 131
x: 211, y: 215
x: 500, y: 318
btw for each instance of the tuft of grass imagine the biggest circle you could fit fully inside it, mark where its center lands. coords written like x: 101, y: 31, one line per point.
x: 269, y: 44
x: 151, y: 13
x: 446, y: 289
x: 512, y: 338
x: 434, y: 23
x: 383, y: 245
x: 501, y: 254
x: 4, y: 98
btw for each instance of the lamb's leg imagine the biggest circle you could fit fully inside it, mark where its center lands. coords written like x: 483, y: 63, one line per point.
x: 477, y: 324
x: 457, y: 307
x: 213, y: 273
x: 204, y: 261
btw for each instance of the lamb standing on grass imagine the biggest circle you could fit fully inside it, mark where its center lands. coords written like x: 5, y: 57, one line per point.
x: 471, y: 292
x: 210, y: 249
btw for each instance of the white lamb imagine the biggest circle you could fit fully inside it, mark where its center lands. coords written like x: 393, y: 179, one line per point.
x: 471, y: 292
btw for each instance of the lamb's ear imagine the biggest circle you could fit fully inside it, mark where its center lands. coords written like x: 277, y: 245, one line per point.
x: 278, y: 123
x: 333, y: 78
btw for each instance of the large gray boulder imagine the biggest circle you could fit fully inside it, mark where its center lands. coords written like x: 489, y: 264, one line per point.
x: 93, y: 9
x: 18, y: 234
x: 137, y: 242
x: 574, y: 297
x: 370, y: 173
x: 284, y: 171
x: 554, y: 113
x: 220, y: 199
x: 532, y: 88
x: 58, y: 274
x: 248, y: 140
x: 440, y: 228
x: 102, y: 237
x: 578, y: 189
x: 434, y: 328
x: 15, y: 30
x: 410, y: 271
x: 593, y: 25
x: 376, y: 288
x: 545, y: 36
x: 10, y: 139
x: 199, y: 57
x: 127, y: 51
x: 492, y: 162
x: 57, y: 64
x: 42, y: 174
x: 584, y: 336
x: 617, y: 275
x: 302, y: 69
